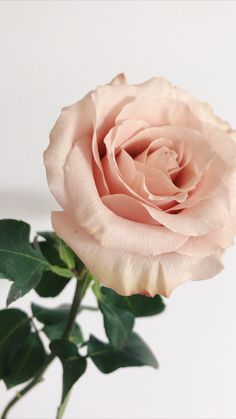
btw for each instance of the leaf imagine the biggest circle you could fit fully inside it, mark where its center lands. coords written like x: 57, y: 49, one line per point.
x: 14, y: 330
x: 49, y: 236
x: 19, y: 261
x: 118, y: 323
x: 139, y: 305
x: 27, y: 361
x: 135, y: 353
x: 51, y: 253
x: 61, y: 409
x: 73, y: 364
x: 55, y: 332
x: 51, y: 284
x: 50, y: 316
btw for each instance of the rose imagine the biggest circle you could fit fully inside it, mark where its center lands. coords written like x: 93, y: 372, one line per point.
x: 145, y: 175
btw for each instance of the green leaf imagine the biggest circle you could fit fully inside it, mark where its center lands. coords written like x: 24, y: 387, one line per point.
x: 50, y: 252
x: 50, y: 316
x: 49, y: 236
x: 135, y: 353
x: 55, y: 332
x: 139, y: 305
x: 14, y: 330
x: 61, y: 409
x: 118, y: 323
x: 51, y: 284
x: 27, y: 361
x: 73, y: 364
x: 19, y: 261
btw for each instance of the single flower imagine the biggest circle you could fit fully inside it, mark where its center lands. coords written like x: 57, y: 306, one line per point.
x: 146, y: 177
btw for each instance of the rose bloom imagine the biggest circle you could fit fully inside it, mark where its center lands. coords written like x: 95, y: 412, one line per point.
x: 145, y: 175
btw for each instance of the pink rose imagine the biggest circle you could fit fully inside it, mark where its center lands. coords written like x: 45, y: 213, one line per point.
x: 145, y: 175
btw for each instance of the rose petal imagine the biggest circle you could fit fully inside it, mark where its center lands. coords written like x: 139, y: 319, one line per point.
x: 210, y: 183
x: 74, y: 122
x: 161, y: 88
x: 159, y: 112
x: 87, y: 209
x: 129, y: 273
x: 118, y: 80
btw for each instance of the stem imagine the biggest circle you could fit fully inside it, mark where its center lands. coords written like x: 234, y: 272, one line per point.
x: 81, y: 286
x: 88, y: 308
x: 36, y: 380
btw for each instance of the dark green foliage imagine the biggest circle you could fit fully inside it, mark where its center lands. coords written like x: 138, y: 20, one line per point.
x: 73, y: 364
x: 138, y: 305
x: 55, y: 331
x: 135, y: 353
x: 118, y: 323
x: 14, y: 331
x: 50, y: 316
x: 51, y: 284
x: 27, y: 361
x: 19, y: 261
x: 47, y: 265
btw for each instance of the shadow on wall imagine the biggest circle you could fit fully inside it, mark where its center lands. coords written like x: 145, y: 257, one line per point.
x: 26, y: 203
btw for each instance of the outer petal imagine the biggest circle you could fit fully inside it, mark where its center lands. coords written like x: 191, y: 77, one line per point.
x: 128, y: 273
x: 118, y: 80
x: 161, y: 88
x: 74, y: 122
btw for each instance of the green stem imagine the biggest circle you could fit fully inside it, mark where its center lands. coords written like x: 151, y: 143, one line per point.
x: 81, y: 286
x: 36, y: 380
x: 88, y: 308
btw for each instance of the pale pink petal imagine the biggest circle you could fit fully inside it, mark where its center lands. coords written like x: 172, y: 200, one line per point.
x: 225, y: 237
x: 116, y: 134
x: 118, y: 80
x: 127, y: 207
x: 160, y: 183
x: 159, y: 112
x: 122, y: 177
x: 195, y: 143
x: 87, y: 209
x: 126, y: 167
x: 200, y: 246
x: 128, y: 273
x: 114, y: 179
x: 161, y: 88
x: 187, y: 178
x: 164, y: 159
x: 221, y: 143
x: 210, y: 183
x: 75, y: 121
x: 121, y: 133
x: 108, y: 101
x: 203, y: 218
x: 156, y: 146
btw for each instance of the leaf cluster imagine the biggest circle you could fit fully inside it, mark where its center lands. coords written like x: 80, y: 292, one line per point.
x: 46, y: 265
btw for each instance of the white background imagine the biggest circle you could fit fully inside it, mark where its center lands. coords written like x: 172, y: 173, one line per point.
x: 51, y: 54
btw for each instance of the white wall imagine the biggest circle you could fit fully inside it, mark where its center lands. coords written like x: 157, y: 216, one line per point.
x: 52, y: 53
